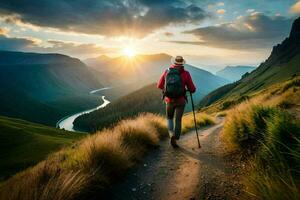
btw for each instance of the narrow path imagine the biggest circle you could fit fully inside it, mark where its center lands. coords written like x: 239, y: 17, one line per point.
x: 183, y: 173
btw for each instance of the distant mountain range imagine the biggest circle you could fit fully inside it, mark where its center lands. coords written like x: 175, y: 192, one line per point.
x: 282, y: 64
x: 146, y: 69
x: 44, y: 87
x: 234, y: 73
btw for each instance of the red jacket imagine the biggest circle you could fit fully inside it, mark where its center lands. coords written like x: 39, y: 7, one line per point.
x: 187, y: 82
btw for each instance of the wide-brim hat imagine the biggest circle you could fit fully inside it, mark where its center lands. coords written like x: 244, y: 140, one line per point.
x: 178, y: 60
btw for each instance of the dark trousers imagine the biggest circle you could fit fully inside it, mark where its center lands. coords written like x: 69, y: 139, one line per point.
x: 176, y: 109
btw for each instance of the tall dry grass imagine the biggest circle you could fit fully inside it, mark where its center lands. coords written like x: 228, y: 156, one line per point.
x: 84, y: 170
x: 265, y: 129
x: 202, y: 120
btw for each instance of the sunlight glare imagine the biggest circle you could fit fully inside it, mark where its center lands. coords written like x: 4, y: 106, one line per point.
x: 129, y: 52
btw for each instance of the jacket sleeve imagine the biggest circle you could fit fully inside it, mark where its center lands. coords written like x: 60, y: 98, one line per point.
x: 161, y: 82
x: 189, y: 83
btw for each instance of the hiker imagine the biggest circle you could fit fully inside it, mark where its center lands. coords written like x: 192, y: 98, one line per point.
x: 174, y: 83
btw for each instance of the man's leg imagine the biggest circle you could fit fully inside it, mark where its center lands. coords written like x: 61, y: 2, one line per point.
x: 179, y: 109
x: 170, y: 118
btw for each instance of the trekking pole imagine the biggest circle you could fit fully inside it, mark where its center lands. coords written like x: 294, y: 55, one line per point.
x: 199, y: 145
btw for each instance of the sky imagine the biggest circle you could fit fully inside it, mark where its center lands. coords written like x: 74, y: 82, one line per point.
x: 208, y: 33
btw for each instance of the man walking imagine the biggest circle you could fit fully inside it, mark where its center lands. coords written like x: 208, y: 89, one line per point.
x: 174, y: 82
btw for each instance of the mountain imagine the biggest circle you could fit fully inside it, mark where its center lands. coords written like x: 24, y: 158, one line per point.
x: 282, y: 64
x: 146, y: 99
x: 23, y: 144
x: 234, y: 73
x: 142, y: 70
x: 44, y: 87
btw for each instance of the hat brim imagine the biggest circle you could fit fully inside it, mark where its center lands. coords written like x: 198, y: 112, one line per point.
x: 173, y: 61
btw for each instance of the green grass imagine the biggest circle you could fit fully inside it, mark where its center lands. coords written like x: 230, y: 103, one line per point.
x: 23, y: 144
x: 85, y: 169
x: 271, y: 136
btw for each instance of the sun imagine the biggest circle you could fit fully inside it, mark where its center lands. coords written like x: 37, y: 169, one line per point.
x: 129, y: 52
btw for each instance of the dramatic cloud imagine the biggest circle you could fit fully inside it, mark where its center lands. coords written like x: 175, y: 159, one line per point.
x: 30, y: 44
x: 12, y: 44
x: 295, y: 9
x: 75, y: 48
x: 254, y: 31
x: 104, y: 17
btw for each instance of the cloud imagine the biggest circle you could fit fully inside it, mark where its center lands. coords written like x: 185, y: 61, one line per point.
x: 221, y: 4
x: 295, y: 9
x: 250, y: 10
x: 103, y: 17
x: 3, y: 31
x: 254, y: 31
x: 71, y: 48
x: 221, y: 11
x: 13, y: 44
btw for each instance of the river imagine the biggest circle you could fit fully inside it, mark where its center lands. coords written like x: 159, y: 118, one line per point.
x: 67, y: 122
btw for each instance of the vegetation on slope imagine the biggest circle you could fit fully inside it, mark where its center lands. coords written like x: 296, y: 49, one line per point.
x: 282, y: 64
x: 44, y: 87
x: 147, y: 99
x: 89, y: 166
x: 268, y: 128
x: 24, y: 144
x: 202, y: 120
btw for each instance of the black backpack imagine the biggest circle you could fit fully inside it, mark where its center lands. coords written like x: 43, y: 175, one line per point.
x: 174, y: 87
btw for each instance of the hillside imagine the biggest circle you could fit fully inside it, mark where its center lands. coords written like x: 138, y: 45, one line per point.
x: 129, y: 75
x: 53, y: 85
x: 23, y: 144
x: 146, y: 99
x: 282, y: 64
x: 234, y: 73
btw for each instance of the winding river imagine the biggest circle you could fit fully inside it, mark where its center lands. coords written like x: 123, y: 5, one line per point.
x: 67, y: 122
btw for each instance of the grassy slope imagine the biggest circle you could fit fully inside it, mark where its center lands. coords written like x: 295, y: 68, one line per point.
x: 267, y: 129
x: 91, y: 165
x: 250, y: 85
x: 24, y: 144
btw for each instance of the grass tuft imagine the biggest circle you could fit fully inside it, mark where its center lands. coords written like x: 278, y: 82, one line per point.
x: 202, y: 120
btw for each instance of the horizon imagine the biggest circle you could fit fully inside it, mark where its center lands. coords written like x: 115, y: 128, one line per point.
x: 209, y: 34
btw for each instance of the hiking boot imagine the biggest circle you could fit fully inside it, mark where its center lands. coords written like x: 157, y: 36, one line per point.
x: 173, y: 142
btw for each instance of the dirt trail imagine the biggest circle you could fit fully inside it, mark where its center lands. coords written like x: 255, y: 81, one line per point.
x: 183, y: 173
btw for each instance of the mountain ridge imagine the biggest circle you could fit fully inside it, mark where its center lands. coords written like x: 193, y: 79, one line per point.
x: 281, y: 65
x: 234, y: 73
x: 44, y: 83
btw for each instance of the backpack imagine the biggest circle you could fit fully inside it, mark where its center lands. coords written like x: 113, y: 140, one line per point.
x: 174, y: 87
